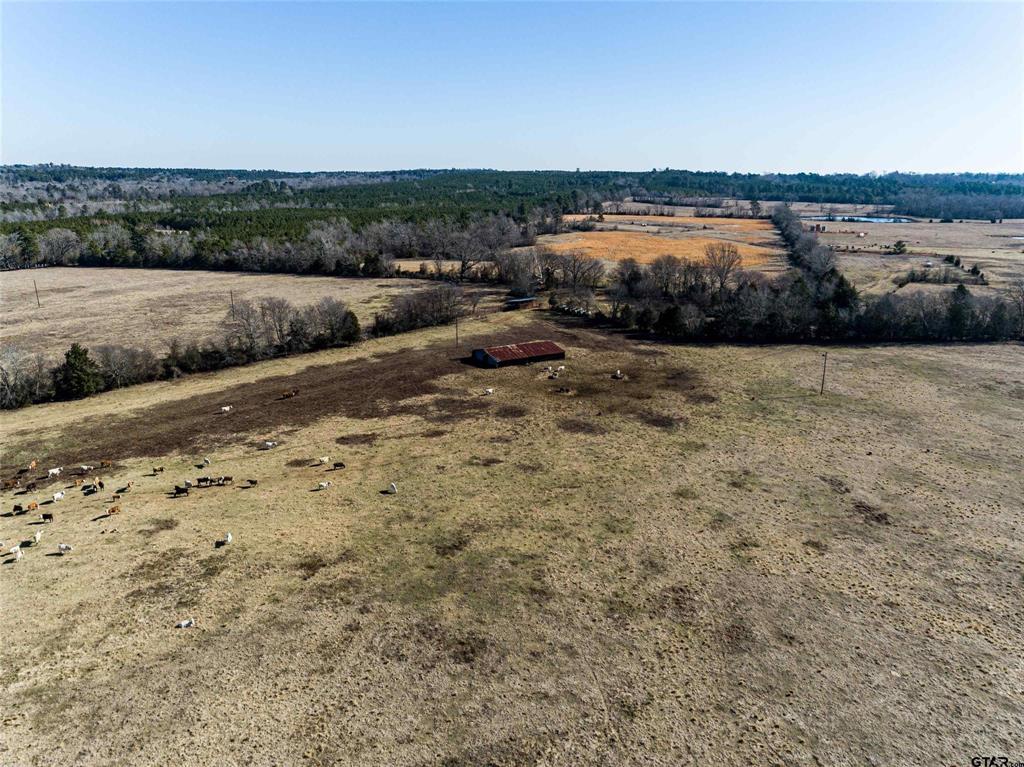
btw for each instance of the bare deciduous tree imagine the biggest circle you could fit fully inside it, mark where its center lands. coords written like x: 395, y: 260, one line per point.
x: 721, y: 259
x: 59, y: 246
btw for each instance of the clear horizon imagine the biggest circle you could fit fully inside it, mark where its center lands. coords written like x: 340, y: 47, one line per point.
x: 731, y: 87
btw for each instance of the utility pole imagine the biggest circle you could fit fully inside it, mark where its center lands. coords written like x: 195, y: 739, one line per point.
x: 824, y: 364
x: 38, y: 305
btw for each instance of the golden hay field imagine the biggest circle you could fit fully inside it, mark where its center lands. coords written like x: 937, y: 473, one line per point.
x: 704, y: 562
x: 724, y: 223
x: 644, y: 247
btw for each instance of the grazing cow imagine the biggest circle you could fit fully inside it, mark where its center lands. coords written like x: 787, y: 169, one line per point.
x: 158, y: 469
x: 58, y: 496
x: 116, y: 497
x: 33, y: 465
x: 252, y: 482
x: 17, y: 509
x: 85, y: 469
x: 37, y: 537
x: 337, y: 465
x: 32, y: 506
x: 113, y: 510
x: 46, y: 517
x: 323, y: 485
x: 99, y: 483
x: 488, y: 391
x: 30, y: 487
x: 79, y: 482
x: 268, y: 445
x: 16, y: 552
x: 204, y: 481
x: 289, y: 393
x: 10, y: 484
x: 185, y: 624
x: 179, y: 490
x: 105, y: 464
x: 64, y: 548
x: 225, y: 481
x: 324, y: 460
x: 392, y: 489
x: 54, y: 472
x: 226, y: 409
x: 206, y: 462
x: 126, y: 488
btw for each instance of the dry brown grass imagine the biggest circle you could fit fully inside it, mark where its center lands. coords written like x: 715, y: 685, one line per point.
x: 560, y: 578
x: 644, y: 247
x: 689, y: 222
x: 150, y: 307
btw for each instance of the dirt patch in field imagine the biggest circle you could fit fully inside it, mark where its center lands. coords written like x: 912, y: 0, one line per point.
x: 367, y: 438
x: 511, y: 411
x: 579, y: 426
x: 366, y: 388
x: 871, y: 513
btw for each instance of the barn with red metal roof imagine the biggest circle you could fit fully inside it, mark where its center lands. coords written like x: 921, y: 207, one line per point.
x: 518, y: 354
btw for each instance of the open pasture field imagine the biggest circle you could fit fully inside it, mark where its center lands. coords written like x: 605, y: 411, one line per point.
x: 997, y: 249
x: 705, y: 562
x: 723, y: 224
x: 757, y: 250
x: 148, y: 308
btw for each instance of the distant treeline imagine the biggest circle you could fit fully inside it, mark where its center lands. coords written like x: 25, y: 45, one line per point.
x: 812, y: 303
x: 423, y: 194
x: 993, y: 207
x: 331, y: 247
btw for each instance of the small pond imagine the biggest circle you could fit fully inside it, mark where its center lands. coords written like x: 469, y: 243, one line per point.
x: 863, y: 219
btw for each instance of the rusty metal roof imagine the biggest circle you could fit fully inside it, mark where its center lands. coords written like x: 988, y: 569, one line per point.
x: 524, y: 350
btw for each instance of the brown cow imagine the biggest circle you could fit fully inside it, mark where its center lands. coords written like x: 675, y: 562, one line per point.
x: 113, y: 510
x: 32, y: 506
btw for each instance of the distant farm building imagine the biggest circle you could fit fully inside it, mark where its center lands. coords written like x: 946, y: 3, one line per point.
x: 520, y: 303
x: 518, y: 354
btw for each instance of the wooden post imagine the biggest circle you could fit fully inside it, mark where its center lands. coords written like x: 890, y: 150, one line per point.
x: 38, y: 305
x: 824, y: 363
x: 232, y: 294
x: 456, y: 332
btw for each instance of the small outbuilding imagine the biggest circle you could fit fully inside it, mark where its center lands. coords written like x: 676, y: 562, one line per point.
x: 513, y: 304
x: 518, y: 354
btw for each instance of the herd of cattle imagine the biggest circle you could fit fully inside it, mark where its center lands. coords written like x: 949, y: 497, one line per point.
x: 89, y: 487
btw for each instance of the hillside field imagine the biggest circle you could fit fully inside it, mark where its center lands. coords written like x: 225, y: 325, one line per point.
x: 705, y: 562
x: 148, y: 308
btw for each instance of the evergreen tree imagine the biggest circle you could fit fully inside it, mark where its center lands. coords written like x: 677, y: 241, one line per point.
x: 78, y: 376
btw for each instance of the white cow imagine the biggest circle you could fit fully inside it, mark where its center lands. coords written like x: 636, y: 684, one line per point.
x: 54, y: 472
x: 58, y: 496
x: 64, y: 548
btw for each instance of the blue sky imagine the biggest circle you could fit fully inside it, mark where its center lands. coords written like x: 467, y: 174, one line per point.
x: 710, y: 86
